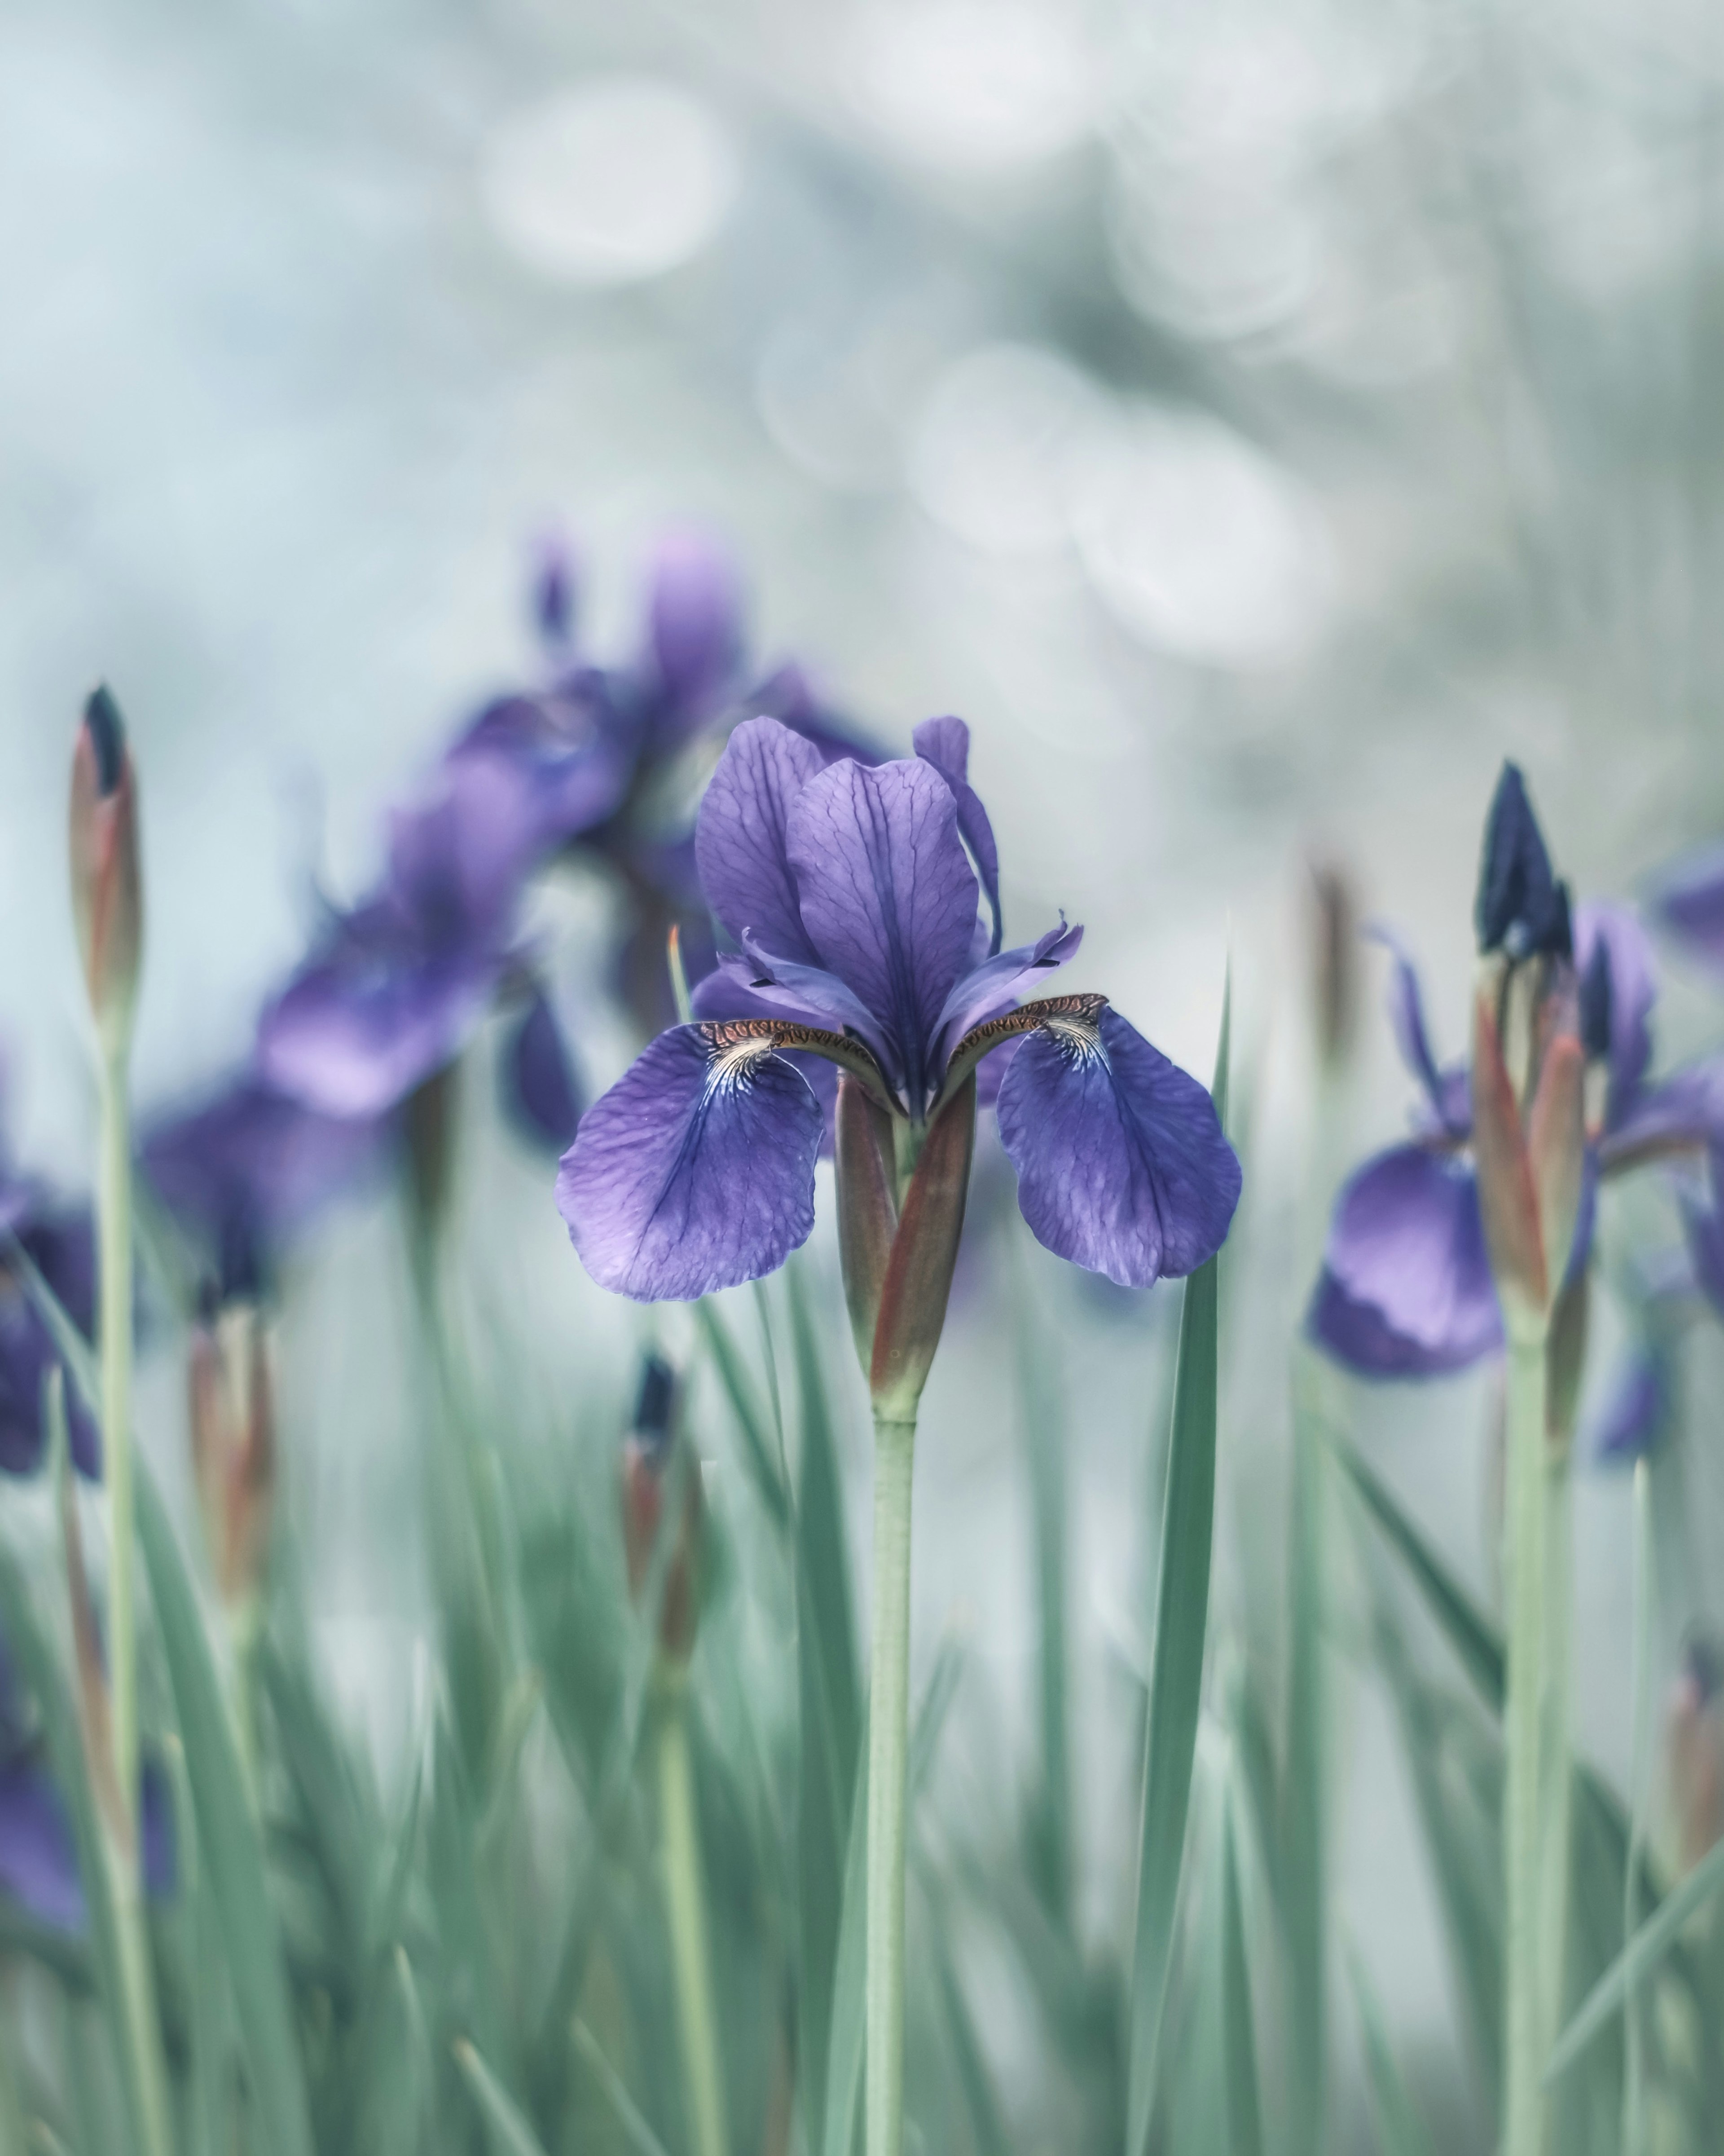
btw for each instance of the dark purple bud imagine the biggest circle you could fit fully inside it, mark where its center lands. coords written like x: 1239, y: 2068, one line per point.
x: 1597, y: 1004
x: 650, y: 1469
x: 107, y: 736
x: 554, y: 593
x: 539, y: 1088
x: 1521, y: 910
x: 106, y: 887
x: 655, y: 1404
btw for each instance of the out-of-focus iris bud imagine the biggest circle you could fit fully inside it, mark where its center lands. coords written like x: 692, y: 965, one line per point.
x: 917, y: 1280
x: 866, y: 1177
x: 1695, y: 1741
x: 1529, y: 1123
x: 540, y: 1089
x: 107, y: 901
x: 1335, y: 968
x: 234, y: 1447
x: 649, y: 1465
x: 554, y: 593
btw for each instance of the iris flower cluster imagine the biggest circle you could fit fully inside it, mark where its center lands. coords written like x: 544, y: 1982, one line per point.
x: 1406, y: 1288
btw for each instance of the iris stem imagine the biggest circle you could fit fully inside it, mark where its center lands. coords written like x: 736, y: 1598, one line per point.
x: 1523, y: 2106
x: 1632, y: 2087
x: 121, y: 1839
x: 685, y: 1909
x: 888, y: 1746
x: 1556, y: 1741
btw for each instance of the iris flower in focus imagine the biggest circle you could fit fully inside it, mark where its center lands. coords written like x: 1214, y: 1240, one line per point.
x: 852, y: 894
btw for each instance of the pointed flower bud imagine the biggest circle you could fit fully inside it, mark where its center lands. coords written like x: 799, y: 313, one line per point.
x: 1334, y: 941
x: 1531, y: 1164
x: 649, y: 1463
x: 1521, y: 910
x: 234, y: 1447
x: 106, y: 894
x: 867, y: 1206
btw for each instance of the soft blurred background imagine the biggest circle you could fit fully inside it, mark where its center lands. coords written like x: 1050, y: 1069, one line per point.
x: 1257, y: 421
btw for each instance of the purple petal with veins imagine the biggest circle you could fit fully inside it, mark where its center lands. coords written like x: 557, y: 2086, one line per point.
x: 695, y: 1171
x: 740, y: 836
x: 1122, y: 1166
x: 946, y: 744
x: 993, y: 986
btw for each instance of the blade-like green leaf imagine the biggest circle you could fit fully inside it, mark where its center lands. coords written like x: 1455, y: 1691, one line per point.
x: 640, y: 2136
x: 982, y: 2106
x: 1244, y: 2114
x: 1401, y: 2132
x: 1177, y: 1664
x: 931, y: 1715
x: 1306, y: 1808
x: 823, y: 1545
x: 759, y: 1452
x: 1638, y: 1958
x: 506, y: 2126
x: 1048, y: 1824
x: 846, y: 2050
x: 228, y: 1837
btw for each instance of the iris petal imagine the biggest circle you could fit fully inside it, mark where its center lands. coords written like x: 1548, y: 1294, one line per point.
x: 1406, y: 1289
x: 991, y: 985
x: 1628, y: 954
x: 1122, y: 1166
x: 1406, y: 1012
x: 539, y: 1088
x: 740, y: 835
x: 695, y: 1171
x: 887, y: 896
x: 1692, y: 903
x: 946, y: 744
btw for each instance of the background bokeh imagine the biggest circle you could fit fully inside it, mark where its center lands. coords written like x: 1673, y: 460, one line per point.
x: 1256, y: 421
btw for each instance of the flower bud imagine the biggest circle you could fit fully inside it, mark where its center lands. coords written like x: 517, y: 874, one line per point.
x: 1531, y: 1166
x: 1695, y: 1739
x: 650, y: 1460
x: 1335, y: 970
x: 867, y: 1206
x: 234, y: 1447
x: 917, y: 1280
x: 106, y: 894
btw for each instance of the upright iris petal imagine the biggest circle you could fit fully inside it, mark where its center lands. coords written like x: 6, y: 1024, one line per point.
x: 696, y: 1170
x: 887, y: 897
x: 946, y: 744
x: 1121, y: 1164
x: 741, y: 847
x: 1521, y: 910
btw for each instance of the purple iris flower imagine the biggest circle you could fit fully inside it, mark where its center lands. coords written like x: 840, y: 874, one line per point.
x: 396, y: 986
x: 245, y: 1169
x: 852, y: 892
x: 1690, y: 903
x: 1406, y: 1288
x: 38, y: 1859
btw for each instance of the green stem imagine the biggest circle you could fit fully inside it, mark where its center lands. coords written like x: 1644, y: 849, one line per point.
x: 1556, y: 1742
x: 114, y: 1274
x: 1633, y: 2097
x: 1524, y: 2046
x: 888, y: 1746
x: 121, y: 1838
x: 685, y: 1907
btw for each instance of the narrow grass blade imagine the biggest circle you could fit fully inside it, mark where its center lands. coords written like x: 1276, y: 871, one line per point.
x: 1638, y: 1958
x: 1048, y: 1813
x: 640, y: 2136
x: 931, y: 1715
x: 1245, y: 2112
x: 229, y: 1838
x: 759, y: 1452
x: 823, y: 1547
x: 1177, y: 1666
x: 505, y: 2125
x: 1400, y: 2130
x: 847, y: 2044
x: 1303, y: 1866
x: 982, y: 2106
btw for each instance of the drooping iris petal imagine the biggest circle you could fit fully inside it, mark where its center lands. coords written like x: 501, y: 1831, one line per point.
x: 1406, y: 1012
x: 60, y: 1244
x: 991, y: 986
x: 1612, y: 957
x: 539, y: 1087
x: 1690, y: 903
x: 740, y: 836
x: 946, y: 744
x: 1676, y: 1115
x: 370, y: 1018
x: 243, y: 1171
x: 1406, y: 1290
x: 693, y: 620
x: 887, y: 896
x: 1122, y: 1166
x: 695, y: 1171
x: 1636, y: 1410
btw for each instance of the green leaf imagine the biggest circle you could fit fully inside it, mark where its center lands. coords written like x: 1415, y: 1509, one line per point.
x: 848, y: 2039
x: 1245, y: 2115
x: 759, y: 1454
x: 1401, y: 2132
x: 1304, y: 1813
x: 1638, y: 1958
x: 982, y: 2106
x: 931, y: 1715
x: 1177, y: 1664
x: 823, y: 1545
x: 1048, y: 1823
x: 506, y: 2128
x: 640, y: 2136
x: 229, y: 1838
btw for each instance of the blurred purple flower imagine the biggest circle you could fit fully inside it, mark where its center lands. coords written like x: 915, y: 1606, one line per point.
x: 246, y: 1169
x: 851, y: 893
x: 1689, y: 903
x: 1406, y: 1288
x: 59, y: 1241
x: 539, y: 1088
